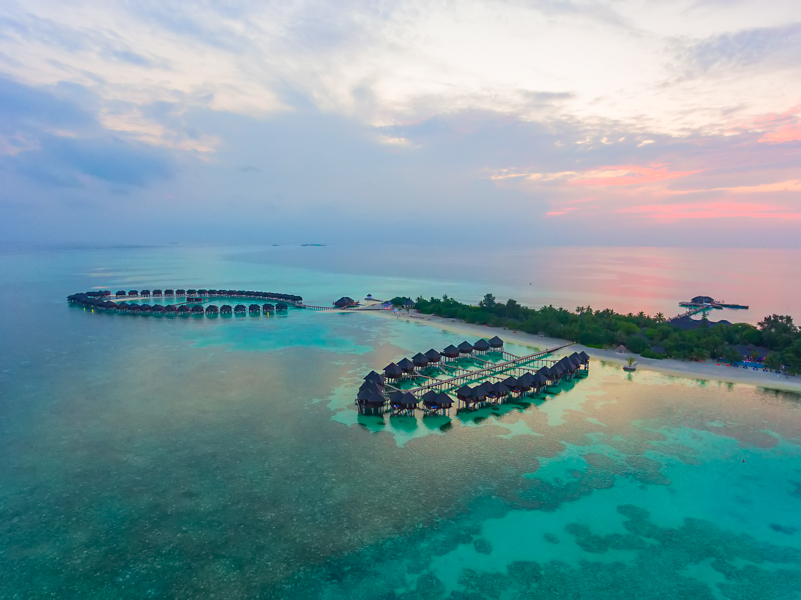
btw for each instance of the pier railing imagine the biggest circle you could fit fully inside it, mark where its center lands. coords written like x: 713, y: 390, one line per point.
x: 515, y: 365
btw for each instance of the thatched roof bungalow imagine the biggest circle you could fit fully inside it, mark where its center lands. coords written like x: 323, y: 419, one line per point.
x: 450, y: 352
x: 481, y: 345
x: 406, y: 365
x: 433, y: 356
x: 496, y: 343
x: 345, y: 302
x: 212, y: 310
x: 392, y: 371
x: 420, y: 360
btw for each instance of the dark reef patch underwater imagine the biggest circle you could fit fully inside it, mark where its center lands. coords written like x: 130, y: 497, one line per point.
x: 191, y: 459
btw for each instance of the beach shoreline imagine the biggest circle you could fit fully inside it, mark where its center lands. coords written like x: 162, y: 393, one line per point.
x: 707, y: 370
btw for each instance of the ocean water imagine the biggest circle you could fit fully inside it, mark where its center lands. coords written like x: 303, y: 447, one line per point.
x: 148, y: 457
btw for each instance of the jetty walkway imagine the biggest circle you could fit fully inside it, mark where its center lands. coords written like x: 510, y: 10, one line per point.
x: 184, y: 302
x: 431, y: 379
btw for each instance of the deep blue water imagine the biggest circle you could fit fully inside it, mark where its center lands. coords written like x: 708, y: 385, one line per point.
x: 188, y: 458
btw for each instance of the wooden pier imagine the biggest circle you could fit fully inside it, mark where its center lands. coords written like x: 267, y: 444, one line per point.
x: 511, y: 366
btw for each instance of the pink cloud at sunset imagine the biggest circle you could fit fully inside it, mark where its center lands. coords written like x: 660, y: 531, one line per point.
x: 711, y: 210
x: 786, y: 133
x: 629, y: 175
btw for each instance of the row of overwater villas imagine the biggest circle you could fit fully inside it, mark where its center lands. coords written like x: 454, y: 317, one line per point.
x: 372, y: 397
x: 421, y: 360
x: 98, y: 303
x: 201, y: 293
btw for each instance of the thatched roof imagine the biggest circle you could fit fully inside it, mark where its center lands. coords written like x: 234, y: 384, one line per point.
x: 496, y: 342
x: 433, y: 356
x: 450, y: 351
x: 420, y: 360
x: 481, y: 345
x: 406, y: 365
x: 444, y: 400
x: 344, y: 302
x: 376, y: 377
x: 392, y: 370
x: 511, y: 382
x: 465, y: 348
x: 464, y: 392
x: 429, y: 397
x: 407, y: 399
x: 525, y: 381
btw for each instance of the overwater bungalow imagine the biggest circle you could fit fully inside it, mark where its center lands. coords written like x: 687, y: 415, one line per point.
x: 406, y: 365
x: 169, y: 293
x: 345, y: 302
x: 170, y: 309
x: 134, y: 309
x: 374, y: 377
x: 267, y: 308
x: 525, y: 382
x: 183, y: 310
x: 403, y: 403
x: 191, y: 292
x: 202, y: 293
x: 496, y: 343
x: 121, y: 294
x: 280, y: 306
x: 133, y: 293
x: 212, y: 310
x: 180, y: 292
x: 512, y: 383
x: 145, y: 293
x: 481, y: 346
x: 420, y: 361
x: 158, y: 309
x: 240, y: 309
x: 498, y: 391
x: 157, y: 293
x: 465, y: 348
x: 371, y: 385
x: 226, y: 309
x: 392, y: 371
x: 443, y: 402
x: 451, y: 352
x: 254, y: 309
x: 539, y: 382
x: 370, y: 402
x: 481, y: 392
x: 433, y: 356
x: 212, y: 293
x: 465, y: 394
x: 550, y: 376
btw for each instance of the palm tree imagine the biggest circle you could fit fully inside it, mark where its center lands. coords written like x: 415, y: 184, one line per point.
x: 630, y: 361
x: 659, y: 317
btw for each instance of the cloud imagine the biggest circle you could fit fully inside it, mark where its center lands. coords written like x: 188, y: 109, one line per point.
x: 778, y: 46
x: 54, y: 141
x: 712, y: 210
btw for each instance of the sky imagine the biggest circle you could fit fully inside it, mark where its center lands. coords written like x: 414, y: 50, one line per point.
x: 581, y: 122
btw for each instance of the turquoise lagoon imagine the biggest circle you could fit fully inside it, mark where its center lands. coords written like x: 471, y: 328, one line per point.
x: 193, y: 458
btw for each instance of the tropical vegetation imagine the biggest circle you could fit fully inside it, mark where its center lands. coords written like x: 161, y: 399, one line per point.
x: 776, y: 338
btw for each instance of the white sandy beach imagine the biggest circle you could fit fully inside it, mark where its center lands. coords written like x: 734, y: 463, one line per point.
x: 694, y: 370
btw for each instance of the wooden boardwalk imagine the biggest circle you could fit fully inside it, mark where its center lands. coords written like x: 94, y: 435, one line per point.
x: 512, y: 366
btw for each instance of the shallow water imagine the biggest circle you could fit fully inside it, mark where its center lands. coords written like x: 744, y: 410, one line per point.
x: 185, y: 458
